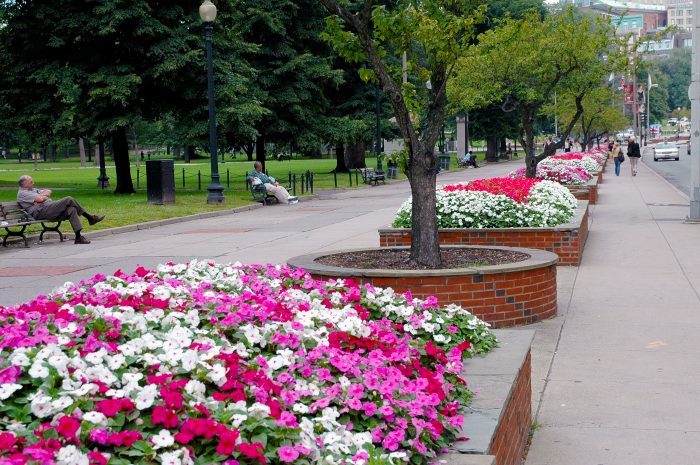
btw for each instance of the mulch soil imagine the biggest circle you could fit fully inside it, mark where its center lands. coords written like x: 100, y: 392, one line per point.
x: 399, y: 259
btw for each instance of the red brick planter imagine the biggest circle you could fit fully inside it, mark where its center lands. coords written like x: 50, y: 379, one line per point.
x: 498, y: 420
x: 503, y: 295
x: 566, y: 240
x: 587, y: 192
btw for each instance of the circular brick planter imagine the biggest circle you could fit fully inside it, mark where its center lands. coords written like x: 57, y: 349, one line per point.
x: 504, y: 295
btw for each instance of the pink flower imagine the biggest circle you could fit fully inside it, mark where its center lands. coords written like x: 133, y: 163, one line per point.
x: 288, y: 454
x: 68, y: 427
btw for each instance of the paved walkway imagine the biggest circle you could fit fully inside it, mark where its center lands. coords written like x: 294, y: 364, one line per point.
x: 615, y: 375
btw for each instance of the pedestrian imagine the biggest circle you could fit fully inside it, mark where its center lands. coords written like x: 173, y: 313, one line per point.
x: 40, y: 206
x: 634, y: 154
x: 567, y: 145
x: 614, y: 153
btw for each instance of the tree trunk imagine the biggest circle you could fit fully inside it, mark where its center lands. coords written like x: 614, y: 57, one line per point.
x: 120, y: 153
x: 249, y: 150
x: 137, y: 158
x: 340, y: 166
x: 81, y: 146
x: 503, y: 147
x: 176, y: 152
x: 425, y: 244
x: 96, y: 160
x: 260, y: 151
x: 528, y: 144
x: 356, y: 154
x: 491, y: 148
x: 188, y: 152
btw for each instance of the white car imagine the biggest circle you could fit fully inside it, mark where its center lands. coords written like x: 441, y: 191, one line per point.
x: 666, y: 151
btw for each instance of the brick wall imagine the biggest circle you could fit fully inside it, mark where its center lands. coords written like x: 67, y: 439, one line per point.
x: 502, y: 299
x: 567, y: 244
x: 509, y: 441
x: 588, y: 192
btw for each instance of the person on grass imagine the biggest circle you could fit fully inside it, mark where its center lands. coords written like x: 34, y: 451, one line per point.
x: 40, y: 205
x: 271, y: 185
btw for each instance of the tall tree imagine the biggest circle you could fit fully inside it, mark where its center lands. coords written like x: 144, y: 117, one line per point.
x: 294, y: 70
x: 93, y: 67
x: 434, y: 34
x: 522, y: 63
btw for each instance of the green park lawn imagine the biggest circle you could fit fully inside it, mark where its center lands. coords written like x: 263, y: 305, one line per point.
x: 67, y: 178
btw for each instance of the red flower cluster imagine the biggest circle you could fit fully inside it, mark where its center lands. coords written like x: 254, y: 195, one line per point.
x: 516, y: 188
x: 568, y: 156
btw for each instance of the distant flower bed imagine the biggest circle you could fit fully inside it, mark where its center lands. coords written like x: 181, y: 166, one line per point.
x: 231, y: 364
x: 498, y: 203
x: 564, y: 173
x: 587, y: 162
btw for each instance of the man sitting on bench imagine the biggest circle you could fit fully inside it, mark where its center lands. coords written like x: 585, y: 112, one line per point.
x: 39, y: 204
x: 271, y: 185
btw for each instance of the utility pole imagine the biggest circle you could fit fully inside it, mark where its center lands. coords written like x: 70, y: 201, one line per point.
x: 694, y: 141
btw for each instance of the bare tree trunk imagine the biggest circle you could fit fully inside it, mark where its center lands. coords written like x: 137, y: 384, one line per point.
x: 340, y: 166
x: 356, y: 154
x: 137, y: 157
x: 260, y: 151
x: 491, y: 147
x: 249, y: 150
x: 176, y: 152
x: 81, y: 146
x: 425, y: 244
x: 120, y: 153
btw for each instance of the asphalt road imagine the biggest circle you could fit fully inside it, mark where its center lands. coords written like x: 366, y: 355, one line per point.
x: 675, y: 172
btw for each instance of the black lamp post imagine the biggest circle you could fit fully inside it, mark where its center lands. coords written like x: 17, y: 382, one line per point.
x: 207, y: 11
x: 378, y: 147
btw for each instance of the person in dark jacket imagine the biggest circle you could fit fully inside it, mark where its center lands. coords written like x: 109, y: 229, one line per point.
x: 634, y: 154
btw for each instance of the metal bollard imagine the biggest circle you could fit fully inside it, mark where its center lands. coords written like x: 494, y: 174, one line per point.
x: 137, y: 178
x: 290, y: 178
x: 228, y: 179
x: 335, y: 179
x: 183, y: 178
x: 294, y: 185
x: 311, y: 178
x: 350, y: 177
x: 199, y: 180
x: 357, y: 180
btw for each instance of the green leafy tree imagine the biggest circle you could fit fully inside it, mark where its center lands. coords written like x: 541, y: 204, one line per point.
x: 522, y: 63
x: 434, y: 34
x: 677, y: 69
x: 294, y: 71
x: 92, y: 68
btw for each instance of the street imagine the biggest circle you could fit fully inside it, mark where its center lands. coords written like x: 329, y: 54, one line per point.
x: 675, y: 172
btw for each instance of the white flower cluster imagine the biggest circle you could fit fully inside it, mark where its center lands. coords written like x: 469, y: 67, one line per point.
x: 549, y: 204
x: 587, y: 163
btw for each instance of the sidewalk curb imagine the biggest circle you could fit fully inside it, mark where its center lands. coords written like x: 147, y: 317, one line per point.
x: 164, y: 221
x: 680, y: 192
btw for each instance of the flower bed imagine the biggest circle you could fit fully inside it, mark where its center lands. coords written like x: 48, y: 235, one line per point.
x: 566, y: 240
x: 220, y: 364
x: 587, y: 163
x: 568, y: 175
x: 498, y: 203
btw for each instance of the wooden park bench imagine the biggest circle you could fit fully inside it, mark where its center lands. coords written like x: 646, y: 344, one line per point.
x: 15, y: 219
x: 370, y: 176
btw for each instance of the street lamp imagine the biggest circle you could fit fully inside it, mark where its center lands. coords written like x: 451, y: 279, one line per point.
x: 378, y: 146
x: 207, y: 11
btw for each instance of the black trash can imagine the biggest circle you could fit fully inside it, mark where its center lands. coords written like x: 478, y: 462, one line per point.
x: 444, y: 162
x: 160, y: 181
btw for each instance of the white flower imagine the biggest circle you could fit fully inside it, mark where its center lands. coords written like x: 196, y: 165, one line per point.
x: 195, y: 388
x: 6, y: 390
x: 38, y: 370
x: 70, y: 455
x: 96, y: 418
x: 162, y: 439
x: 41, y: 406
x: 146, y: 397
x: 19, y: 358
x: 259, y: 411
x: 217, y: 374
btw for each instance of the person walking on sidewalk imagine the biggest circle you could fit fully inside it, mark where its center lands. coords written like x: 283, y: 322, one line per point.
x: 634, y: 154
x: 40, y: 206
x: 616, y: 151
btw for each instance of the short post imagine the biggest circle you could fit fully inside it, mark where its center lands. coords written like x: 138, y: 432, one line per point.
x: 290, y: 178
x: 335, y: 179
x: 357, y: 180
x: 228, y: 178
x: 294, y: 184
x: 137, y: 178
x: 302, y: 184
x: 312, y: 182
x: 183, y: 178
x: 350, y: 177
x: 199, y: 180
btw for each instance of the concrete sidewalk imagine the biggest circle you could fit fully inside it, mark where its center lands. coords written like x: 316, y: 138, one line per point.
x: 616, y: 373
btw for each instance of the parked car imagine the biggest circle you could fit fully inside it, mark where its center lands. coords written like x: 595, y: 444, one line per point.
x: 665, y: 151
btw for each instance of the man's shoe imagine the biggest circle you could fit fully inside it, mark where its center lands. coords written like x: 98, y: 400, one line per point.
x: 94, y: 219
x: 292, y: 199
x: 82, y: 240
